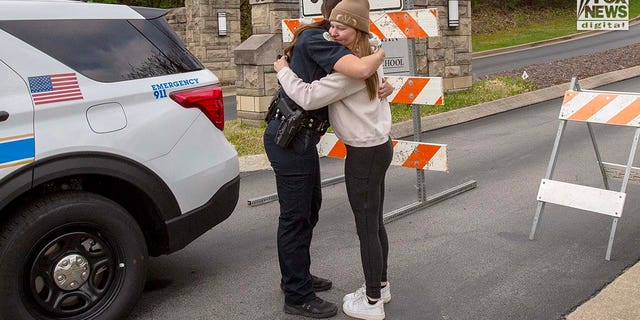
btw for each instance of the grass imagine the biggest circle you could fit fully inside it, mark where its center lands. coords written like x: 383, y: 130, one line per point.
x: 547, y: 25
x: 499, y: 29
x: 246, y: 139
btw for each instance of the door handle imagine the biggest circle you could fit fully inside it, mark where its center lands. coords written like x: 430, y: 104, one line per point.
x: 4, y: 115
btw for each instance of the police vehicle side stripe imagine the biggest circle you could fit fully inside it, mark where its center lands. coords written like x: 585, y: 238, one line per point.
x: 16, y: 150
x: 13, y: 164
x: 28, y: 135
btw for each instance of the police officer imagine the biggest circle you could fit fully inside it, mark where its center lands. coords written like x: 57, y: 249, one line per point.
x: 297, y: 168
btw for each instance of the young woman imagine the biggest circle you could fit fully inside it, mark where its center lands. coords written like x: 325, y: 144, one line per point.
x: 362, y: 121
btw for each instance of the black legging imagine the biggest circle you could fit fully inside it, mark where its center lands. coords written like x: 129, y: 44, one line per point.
x: 364, y: 173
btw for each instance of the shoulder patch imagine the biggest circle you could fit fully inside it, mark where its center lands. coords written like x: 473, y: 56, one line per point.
x: 327, y: 36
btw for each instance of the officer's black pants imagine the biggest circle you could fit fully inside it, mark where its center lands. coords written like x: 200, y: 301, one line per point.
x: 297, y: 171
x: 364, y: 173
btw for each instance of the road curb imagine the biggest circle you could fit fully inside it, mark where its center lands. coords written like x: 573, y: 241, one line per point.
x: 254, y: 162
x: 617, y: 300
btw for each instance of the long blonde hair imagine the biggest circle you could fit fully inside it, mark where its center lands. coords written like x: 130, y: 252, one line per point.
x: 360, y: 47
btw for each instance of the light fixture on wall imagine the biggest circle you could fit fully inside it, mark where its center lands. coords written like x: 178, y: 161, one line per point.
x: 454, y: 17
x: 222, y: 23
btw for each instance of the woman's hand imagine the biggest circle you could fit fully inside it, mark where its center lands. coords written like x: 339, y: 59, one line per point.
x: 280, y: 63
x: 385, y: 89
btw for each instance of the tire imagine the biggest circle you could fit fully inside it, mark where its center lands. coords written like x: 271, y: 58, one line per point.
x: 72, y: 255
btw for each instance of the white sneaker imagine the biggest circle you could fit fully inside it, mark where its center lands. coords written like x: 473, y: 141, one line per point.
x: 361, y: 309
x: 385, y: 293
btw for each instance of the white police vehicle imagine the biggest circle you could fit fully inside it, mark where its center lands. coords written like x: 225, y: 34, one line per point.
x: 111, y: 150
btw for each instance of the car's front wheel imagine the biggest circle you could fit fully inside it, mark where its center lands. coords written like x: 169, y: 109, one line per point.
x: 73, y: 255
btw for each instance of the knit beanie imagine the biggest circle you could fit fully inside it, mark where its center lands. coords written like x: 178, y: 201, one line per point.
x: 353, y: 13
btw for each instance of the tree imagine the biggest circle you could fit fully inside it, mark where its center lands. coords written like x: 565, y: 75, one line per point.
x: 245, y: 20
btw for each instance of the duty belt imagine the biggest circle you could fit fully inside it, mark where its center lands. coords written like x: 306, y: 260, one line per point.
x: 308, y: 122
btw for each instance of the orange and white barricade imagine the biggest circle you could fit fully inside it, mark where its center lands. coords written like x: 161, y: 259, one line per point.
x: 409, y: 24
x: 408, y: 154
x: 416, y: 90
x: 603, y: 107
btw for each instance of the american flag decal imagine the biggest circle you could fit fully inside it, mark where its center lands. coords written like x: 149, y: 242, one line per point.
x: 54, y: 88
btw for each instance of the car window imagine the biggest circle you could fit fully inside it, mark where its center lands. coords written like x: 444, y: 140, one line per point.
x: 163, y: 37
x: 106, y: 50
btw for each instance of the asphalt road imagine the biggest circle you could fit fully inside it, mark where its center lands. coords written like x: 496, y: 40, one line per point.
x: 465, y: 258
x: 556, y: 51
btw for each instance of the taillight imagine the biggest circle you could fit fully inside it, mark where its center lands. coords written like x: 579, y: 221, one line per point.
x: 208, y: 99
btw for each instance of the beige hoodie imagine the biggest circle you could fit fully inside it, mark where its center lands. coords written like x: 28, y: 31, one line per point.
x: 356, y: 120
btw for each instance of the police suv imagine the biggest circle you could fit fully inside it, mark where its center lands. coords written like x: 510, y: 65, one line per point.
x: 111, y: 150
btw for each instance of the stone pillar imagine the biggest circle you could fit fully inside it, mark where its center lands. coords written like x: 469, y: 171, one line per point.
x: 254, y: 58
x: 447, y: 56
x: 203, y: 40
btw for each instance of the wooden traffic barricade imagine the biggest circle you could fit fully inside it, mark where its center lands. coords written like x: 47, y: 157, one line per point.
x: 591, y: 106
x: 408, y: 154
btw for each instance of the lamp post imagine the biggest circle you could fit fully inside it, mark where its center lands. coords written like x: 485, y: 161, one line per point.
x: 454, y: 16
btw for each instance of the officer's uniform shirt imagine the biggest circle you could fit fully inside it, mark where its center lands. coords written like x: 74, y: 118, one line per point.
x: 313, y: 57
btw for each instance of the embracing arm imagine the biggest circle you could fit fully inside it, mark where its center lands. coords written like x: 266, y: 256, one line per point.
x: 360, y: 68
x: 315, y: 95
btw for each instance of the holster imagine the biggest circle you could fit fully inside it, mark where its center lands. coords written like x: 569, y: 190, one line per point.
x: 273, y: 107
x: 291, y: 124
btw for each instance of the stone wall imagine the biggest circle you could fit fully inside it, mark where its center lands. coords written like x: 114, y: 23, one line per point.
x: 197, y: 26
x: 449, y: 55
x: 254, y: 58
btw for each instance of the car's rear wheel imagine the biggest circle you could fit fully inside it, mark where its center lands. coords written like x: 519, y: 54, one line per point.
x: 72, y: 255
